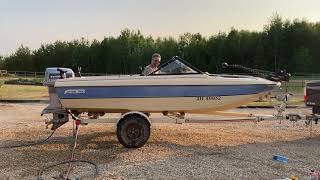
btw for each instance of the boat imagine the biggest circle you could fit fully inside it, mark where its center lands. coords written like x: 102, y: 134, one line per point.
x: 176, y: 88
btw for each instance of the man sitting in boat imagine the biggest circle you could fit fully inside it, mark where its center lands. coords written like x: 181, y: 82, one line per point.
x: 153, y: 66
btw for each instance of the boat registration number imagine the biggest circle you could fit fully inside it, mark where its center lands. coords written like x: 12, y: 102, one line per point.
x: 209, y: 98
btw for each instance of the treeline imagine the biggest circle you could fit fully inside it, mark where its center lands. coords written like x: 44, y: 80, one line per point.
x: 291, y: 45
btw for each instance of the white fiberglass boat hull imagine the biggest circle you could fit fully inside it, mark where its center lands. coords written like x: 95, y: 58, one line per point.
x: 177, y: 104
x: 176, y: 93
x: 164, y: 91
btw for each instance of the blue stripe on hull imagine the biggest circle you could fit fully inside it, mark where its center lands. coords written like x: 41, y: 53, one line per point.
x: 159, y: 91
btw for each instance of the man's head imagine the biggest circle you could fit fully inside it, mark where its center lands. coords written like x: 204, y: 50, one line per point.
x: 155, y: 60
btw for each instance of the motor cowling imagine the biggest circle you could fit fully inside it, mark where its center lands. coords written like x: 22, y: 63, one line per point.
x: 60, y: 115
x: 52, y: 74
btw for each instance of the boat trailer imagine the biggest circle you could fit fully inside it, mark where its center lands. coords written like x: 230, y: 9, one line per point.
x: 133, y: 127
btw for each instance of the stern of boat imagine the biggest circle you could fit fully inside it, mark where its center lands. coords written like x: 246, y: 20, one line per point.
x: 55, y: 114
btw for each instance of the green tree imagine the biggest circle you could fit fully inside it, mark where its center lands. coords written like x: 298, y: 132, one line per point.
x: 274, y: 33
x: 283, y: 44
x: 20, y: 60
x: 301, y: 60
x: 1, y: 62
x: 215, y: 49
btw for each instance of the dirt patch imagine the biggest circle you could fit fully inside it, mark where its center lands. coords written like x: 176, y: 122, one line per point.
x: 3, y: 106
x: 187, y: 151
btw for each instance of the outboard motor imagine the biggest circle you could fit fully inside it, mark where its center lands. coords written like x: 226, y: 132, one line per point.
x: 60, y: 115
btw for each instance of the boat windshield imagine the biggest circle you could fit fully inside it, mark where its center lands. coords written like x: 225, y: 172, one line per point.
x: 176, y: 66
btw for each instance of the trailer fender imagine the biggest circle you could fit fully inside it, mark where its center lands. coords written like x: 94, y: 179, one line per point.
x: 134, y: 113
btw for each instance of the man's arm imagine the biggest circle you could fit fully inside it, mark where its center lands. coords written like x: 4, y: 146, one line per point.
x: 147, y: 70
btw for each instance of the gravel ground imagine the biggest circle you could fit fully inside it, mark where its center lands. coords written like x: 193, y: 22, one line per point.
x: 174, y: 151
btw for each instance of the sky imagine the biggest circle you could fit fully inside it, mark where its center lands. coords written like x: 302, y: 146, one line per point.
x: 36, y: 22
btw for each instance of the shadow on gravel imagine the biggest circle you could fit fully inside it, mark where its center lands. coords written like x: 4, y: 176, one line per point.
x: 246, y: 161
x: 57, y: 149
x: 254, y: 160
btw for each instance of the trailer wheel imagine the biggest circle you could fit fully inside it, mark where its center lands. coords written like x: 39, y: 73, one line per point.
x: 133, y: 131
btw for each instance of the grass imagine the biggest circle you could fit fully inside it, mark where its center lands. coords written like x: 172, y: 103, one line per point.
x: 296, y: 99
x: 23, y: 92
x: 293, y: 101
x: 25, y: 81
x: 29, y: 92
x: 17, y: 79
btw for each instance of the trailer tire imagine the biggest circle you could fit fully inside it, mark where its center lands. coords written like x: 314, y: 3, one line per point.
x: 133, y: 131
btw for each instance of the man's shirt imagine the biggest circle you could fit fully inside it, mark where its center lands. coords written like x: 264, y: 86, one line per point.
x: 148, y: 70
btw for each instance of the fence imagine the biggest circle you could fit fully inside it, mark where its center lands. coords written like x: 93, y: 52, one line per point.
x: 305, y: 76
x: 29, y: 74
x: 3, y: 72
x: 295, y: 86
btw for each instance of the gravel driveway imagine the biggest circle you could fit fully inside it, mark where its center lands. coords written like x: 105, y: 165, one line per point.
x: 174, y: 151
